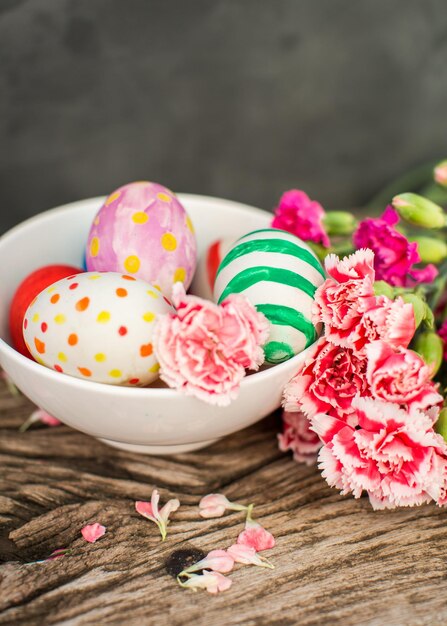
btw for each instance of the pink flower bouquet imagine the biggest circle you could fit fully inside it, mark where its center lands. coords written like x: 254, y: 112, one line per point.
x: 368, y: 399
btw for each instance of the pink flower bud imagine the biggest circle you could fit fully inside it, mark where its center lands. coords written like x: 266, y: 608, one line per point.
x: 440, y: 173
x: 419, y: 211
x: 213, y: 582
x: 93, y: 532
x: 248, y: 556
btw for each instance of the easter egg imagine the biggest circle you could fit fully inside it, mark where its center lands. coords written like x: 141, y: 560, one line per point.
x: 143, y: 230
x: 279, y: 274
x: 205, y: 275
x: 28, y: 289
x: 97, y: 326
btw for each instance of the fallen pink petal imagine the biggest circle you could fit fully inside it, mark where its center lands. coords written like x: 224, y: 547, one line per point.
x: 93, y: 532
x: 150, y: 511
x: 42, y: 417
x: 216, y: 560
x: 145, y: 509
x: 213, y: 582
x: 215, y: 505
x: 170, y: 507
x: 255, y: 535
x: 247, y: 555
x: 56, y: 554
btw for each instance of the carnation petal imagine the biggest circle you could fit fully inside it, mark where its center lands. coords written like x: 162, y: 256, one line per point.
x: 93, y: 532
x: 358, y: 265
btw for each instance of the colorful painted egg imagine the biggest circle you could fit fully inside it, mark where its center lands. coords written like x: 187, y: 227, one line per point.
x: 279, y: 274
x: 205, y: 275
x: 28, y: 289
x: 143, y: 230
x: 97, y: 326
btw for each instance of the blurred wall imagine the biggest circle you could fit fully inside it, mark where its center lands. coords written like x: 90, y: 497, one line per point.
x: 235, y: 98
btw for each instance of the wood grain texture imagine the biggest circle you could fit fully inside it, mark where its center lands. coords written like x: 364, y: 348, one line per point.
x: 336, y: 561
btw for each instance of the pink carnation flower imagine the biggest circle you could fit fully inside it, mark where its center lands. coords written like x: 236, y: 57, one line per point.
x: 299, y: 438
x: 327, y: 382
x: 392, y: 454
x: 301, y: 216
x: 204, y: 348
x: 395, y: 256
x: 400, y: 375
x: 390, y: 320
x: 342, y: 299
x: 353, y: 316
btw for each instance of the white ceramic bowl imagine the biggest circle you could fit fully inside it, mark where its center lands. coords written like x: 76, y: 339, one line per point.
x: 152, y: 421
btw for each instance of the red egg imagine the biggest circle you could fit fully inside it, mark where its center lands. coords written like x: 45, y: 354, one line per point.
x: 28, y: 289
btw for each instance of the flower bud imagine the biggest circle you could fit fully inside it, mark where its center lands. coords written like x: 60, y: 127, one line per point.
x: 382, y: 288
x: 339, y: 223
x: 429, y: 319
x: 431, y: 250
x: 429, y: 346
x: 441, y: 424
x: 419, y: 211
x: 419, y: 307
x: 440, y: 173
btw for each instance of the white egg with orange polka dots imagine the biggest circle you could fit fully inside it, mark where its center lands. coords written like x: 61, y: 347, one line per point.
x: 97, y: 326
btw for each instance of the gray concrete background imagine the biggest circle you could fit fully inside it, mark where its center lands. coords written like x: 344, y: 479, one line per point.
x: 235, y: 98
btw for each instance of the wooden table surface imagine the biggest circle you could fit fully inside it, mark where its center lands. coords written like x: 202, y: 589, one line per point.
x: 336, y: 561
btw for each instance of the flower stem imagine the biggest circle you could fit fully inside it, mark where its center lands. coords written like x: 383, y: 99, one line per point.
x: 163, y: 530
x: 234, y: 506
x: 265, y: 563
x: 26, y: 424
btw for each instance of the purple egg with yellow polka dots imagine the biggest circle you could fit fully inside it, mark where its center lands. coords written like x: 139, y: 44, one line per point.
x: 143, y: 230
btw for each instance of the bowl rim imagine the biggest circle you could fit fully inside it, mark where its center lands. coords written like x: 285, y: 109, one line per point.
x: 148, y: 392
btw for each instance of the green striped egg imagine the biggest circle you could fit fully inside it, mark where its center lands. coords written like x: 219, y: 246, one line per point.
x: 279, y: 274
